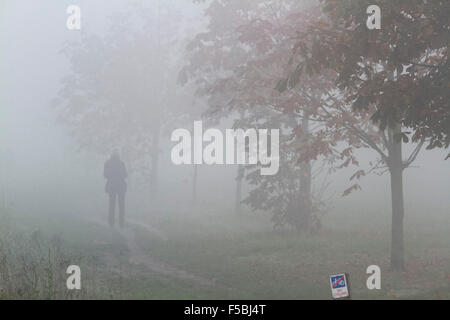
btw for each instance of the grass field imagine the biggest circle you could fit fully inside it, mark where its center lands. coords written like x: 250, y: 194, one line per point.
x: 210, y: 255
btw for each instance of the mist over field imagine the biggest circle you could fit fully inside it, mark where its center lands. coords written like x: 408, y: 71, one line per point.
x: 138, y: 70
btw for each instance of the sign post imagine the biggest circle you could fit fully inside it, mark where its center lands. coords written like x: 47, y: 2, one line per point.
x: 339, y: 286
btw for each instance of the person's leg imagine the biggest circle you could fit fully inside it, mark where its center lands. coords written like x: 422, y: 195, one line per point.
x: 121, y: 209
x: 112, y: 207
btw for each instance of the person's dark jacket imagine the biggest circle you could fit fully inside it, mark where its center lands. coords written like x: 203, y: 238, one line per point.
x: 115, y: 173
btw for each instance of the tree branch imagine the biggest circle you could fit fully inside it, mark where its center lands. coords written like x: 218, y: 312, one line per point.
x: 413, y: 154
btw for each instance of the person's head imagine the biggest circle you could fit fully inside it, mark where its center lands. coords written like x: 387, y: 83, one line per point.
x: 115, y: 155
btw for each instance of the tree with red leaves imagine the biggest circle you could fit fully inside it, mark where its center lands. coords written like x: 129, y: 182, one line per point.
x: 399, y: 74
x: 237, y: 65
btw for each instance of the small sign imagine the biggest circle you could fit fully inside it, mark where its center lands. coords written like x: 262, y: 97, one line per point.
x: 339, y: 286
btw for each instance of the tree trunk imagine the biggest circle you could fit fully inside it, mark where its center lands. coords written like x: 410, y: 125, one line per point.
x: 396, y: 172
x: 194, y: 185
x: 5, y: 162
x: 238, y: 197
x: 305, y: 181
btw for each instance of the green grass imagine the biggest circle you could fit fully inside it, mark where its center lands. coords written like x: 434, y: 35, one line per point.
x: 241, y: 255
x: 268, y: 265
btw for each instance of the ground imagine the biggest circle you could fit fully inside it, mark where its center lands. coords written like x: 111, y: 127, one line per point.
x: 215, y: 255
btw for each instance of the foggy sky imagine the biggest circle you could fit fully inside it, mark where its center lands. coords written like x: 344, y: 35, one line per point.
x: 38, y: 156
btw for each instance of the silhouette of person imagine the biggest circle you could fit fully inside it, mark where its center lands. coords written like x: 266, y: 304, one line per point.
x: 116, y: 186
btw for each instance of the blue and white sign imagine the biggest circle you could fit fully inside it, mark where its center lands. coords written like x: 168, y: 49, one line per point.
x: 339, y: 286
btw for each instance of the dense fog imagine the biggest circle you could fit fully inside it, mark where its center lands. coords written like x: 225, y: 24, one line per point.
x: 130, y: 55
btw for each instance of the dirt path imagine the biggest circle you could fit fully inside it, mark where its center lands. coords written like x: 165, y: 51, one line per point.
x: 139, y: 256
x: 160, y: 235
